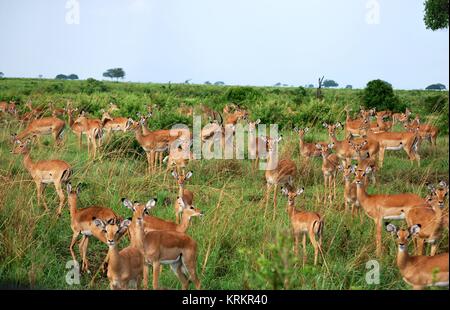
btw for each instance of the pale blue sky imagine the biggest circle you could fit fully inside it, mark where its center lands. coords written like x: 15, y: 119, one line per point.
x: 249, y: 42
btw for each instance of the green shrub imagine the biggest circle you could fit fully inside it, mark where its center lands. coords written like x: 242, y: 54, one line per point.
x: 91, y: 86
x: 241, y: 94
x: 380, y: 95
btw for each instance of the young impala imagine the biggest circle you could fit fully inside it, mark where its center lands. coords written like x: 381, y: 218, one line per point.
x: 419, y: 271
x: 383, y: 206
x: 426, y: 131
x: 307, y: 150
x: 304, y: 223
x: 430, y: 217
x: 343, y: 149
x: 76, y: 128
x: 152, y: 223
x: 353, y: 126
x: 186, y: 195
x: 125, y: 268
x: 111, y: 124
x: 81, y: 223
x: 256, y: 146
x: 364, y: 159
x: 45, y: 172
x: 94, y: 132
x: 330, y: 164
x: 349, y: 189
x: 179, y: 155
x: 164, y: 247
x: 278, y: 172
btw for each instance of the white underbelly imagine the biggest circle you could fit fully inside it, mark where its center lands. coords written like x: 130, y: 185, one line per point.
x: 394, y: 148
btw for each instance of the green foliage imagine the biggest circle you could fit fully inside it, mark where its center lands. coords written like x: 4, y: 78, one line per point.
x: 114, y: 73
x: 61, y: 77
x: 240, y: 94
x: 436, y: 14
x: 349, y: 87
x: 91, y: 86
x: 2, y: 75
x: 380, y: 94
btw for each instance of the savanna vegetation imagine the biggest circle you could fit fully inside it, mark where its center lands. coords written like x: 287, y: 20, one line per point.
x: 239, y: 248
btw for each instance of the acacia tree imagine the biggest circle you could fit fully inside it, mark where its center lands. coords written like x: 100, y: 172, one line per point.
x: 330, y: 83
x: 114, y: 73
x: 1, y: 75
x: 436, y: 14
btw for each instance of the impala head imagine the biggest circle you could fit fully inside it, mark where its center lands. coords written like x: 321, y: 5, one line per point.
x: 301, y: 131
x: 347, y: 171
x: 271, y: 143
x: 325, y: 149
x: 358, y: 147
x: 112, y: 107
x: 439, y: 195
x: 383, y: 114
x: 139, y: 209
x: 403, y: 235
x: 72, y: 192
x: 291, y: 194
x: 21, y: 147
x: 332, y: 128
x: 403, y: 118
x: 181, y: 178
x: 360, y: 175
x: 252, y: 125
x: 241, y: 114
x: 112, y: 229
x: 188, y: 210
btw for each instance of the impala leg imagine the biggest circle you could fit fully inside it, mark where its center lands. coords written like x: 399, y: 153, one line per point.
x: 145, y: 276
x: 178, y: 270
x: 381, y: 157
x: 72, y: 243
x: 420, y: 243
x: 40, y: 194
x: 268, y: 188
x: 378, y: 237
x: 149, y: 162
x: 275, y: 201
x: 334, y: 187
x: 156, y: 266
x: 61, y: 196
x: 296, y: 240
x: 312, y: 238
x: 79, y: 138
x: 304, y: 248
x: 433, y: 249
x: 191, y: 262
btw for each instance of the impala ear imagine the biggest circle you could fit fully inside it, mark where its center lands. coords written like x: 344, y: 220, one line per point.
x: 300, y: 190
x: 127, y: 203
x: 306, y: 129
x: 79, y: 187
x: 368, y: 169
x: 188, y: 175
x: 353, y: 168
x: 318, y: 146
x: 430, y: 187
x: 69, y: 188
x: 284, y: 191
x: 338, y: 125
x: 415, y: 229
x: 150, y: 204
x: 296, y: 129
x: 123, y: 226
x: 174, y: 174
x: 99, y: 223
x: 325, y: 125
x: 331, y: 145
x: 340, y: 168
x: 279, y: 138
x: 258, y: 121
x: 391, y: 228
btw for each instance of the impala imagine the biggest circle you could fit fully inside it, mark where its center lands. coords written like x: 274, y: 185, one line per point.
x: 307, y: 150
x: 430, y: 217
x: 164, y: 247
x: 419, y: 271
x: 408, y: 141
x: 94, y: 132
x: 330, y: 164
x: 125, y: 268
x: 304, y: 223
x: 8, y: 107
x: 77, y: 128
x: 152, y: 223
x: 45, y: 172
x: 343, y: 148
x: 37, y: 112
x: 278, y: 173
x: 400, y: 117
x: 364, y: 159
x: 349, y: 189
x: 186, y: 195
x: 426, y: 131
x: 43, y: 126
x: 178, y: 157
x: 383, y: 206
x: 110, y: 124
x: 81, y: 223
x: 256, y: 146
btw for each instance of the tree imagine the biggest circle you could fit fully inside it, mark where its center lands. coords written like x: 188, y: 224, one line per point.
x: 437, y: 86
x: 319, y: 88
x: 436, y: 14
x: 187, y: 81
x: 207, y: 83
x: 330, y: 83
x: 72, y: 77
x: 311, y: 86
x: 40, y: 76
x: 219, y: 83
x: 2, y: 75
x: 277, y: 84
x: 114, y: 73
x: 380, y: 95
x: 349, y: 87
x: 61, y: 77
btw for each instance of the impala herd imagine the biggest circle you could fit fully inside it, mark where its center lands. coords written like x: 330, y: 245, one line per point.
x: 155, y: 241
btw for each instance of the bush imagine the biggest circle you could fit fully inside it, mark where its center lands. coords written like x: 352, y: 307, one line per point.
x: 380, y: 95
x: 240, y: 94
x: 92, y: 85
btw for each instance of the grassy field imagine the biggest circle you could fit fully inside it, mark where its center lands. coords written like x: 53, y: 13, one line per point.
x: 238, y: 247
